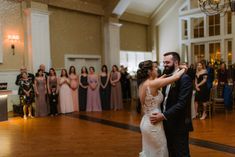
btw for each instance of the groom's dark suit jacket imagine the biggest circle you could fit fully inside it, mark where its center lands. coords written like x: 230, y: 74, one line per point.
x: 178, y: 106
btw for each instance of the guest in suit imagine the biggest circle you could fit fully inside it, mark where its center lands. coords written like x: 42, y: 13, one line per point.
x: 43, y: 68
x: 53, y: 98
x: 222, y: 75
x: 52, y: 82
x: 176, y: 108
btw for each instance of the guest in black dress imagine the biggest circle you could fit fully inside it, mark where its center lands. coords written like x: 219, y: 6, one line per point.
x: 83, y: 85
x: 201, y: 96
x: 125, y: 83
x: 105, y: 89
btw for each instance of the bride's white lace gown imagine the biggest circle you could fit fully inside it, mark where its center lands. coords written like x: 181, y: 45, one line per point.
x: 153, y: 136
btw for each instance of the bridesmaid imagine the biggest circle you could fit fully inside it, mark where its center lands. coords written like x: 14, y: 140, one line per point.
x: 41, y: 90
x: 66, y: 100
x: 74, y: 86
x: 52, y: 81
x: 83, y: 84
x: 93, y: 99
x: 116, y: 91
x: 104, y: 88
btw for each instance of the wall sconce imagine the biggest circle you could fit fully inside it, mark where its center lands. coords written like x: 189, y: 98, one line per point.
x: 13, y: 39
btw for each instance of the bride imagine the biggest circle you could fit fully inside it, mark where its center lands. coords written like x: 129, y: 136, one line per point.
x: 154, y: 142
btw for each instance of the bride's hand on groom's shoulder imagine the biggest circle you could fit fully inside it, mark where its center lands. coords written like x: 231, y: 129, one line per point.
x: 179, y: 73
x: 163, y: 76
x: 184, y: 66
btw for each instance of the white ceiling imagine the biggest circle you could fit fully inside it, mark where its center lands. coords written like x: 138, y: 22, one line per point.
x: 143, y: 7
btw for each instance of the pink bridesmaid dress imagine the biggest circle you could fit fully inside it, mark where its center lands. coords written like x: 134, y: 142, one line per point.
x: 93, y: 96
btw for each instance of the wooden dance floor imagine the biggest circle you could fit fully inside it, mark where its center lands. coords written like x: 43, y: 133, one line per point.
x: 105, y: 134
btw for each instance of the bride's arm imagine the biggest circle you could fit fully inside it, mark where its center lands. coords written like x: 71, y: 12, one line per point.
x: 163, y: 81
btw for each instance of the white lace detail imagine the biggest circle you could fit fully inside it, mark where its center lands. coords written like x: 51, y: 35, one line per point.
x: 152, y: 103
x: 153, y: 136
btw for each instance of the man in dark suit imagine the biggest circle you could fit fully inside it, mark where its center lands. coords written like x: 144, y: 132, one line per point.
x: 176, y: 109
x: 43, y: 68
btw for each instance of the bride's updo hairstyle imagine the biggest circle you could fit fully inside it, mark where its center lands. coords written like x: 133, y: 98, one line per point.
x: 145, y: 68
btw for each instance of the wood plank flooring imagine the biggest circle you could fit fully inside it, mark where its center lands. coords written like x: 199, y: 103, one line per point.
x: 105, y: 134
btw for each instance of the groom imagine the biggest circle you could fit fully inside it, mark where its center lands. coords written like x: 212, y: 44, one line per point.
x: 176, y: 109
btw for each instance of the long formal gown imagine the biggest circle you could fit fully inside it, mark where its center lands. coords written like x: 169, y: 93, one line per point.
x: 154, y: 142
x: 74, y: 90
x: 116, y: 93
x: 93, y: 96
x: 202, y: 95
x: 105, y: 93
x: 41, y: 105
x: 66, y: 100
x: 83, y: 93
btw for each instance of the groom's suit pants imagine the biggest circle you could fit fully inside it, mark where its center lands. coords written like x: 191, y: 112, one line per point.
x: 178, y: 144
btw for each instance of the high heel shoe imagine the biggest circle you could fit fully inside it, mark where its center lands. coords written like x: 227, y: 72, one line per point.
x: 31, y: 116
x: 203, y: 116
x: 25, y: 117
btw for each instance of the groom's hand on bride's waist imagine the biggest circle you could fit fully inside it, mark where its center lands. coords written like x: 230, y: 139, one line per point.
x: 156, y: 117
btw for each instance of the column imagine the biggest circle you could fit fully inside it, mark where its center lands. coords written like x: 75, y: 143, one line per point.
x: 233, y: 35
x: 38, y: 38
x: 153, y: 41
x: 111, y: 43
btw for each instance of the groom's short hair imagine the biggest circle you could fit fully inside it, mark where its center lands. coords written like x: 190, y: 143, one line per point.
x: 175, y: 55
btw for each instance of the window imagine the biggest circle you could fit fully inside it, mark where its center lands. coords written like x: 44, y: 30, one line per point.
x: 214, y: 25
x: 193, y: 4
x: 229, y: 52
x: 199, y: 52
x: 198, y: 27
x: 229, y: 23
x: 185, y: 53
x: 185, y: 29
x: 1, y: 46
x: 131, y: 59
x: 215, y: 53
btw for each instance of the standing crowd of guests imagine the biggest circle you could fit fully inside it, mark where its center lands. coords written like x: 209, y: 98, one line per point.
x: 205, y: 77
x: 70, y: 92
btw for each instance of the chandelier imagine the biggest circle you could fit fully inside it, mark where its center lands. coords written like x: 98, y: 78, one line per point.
x: 213, y: 7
